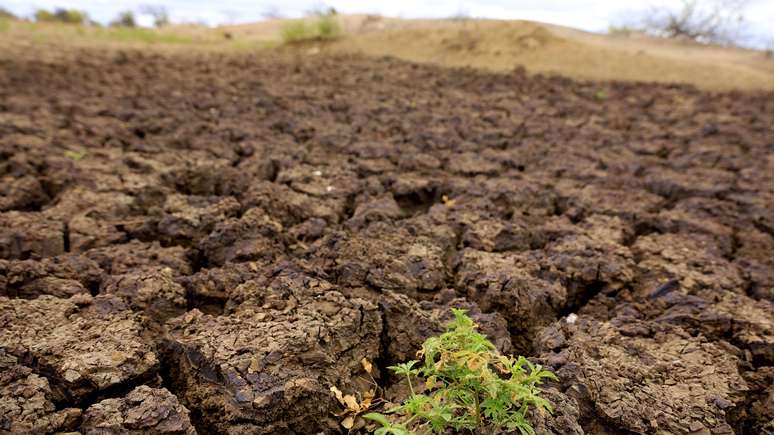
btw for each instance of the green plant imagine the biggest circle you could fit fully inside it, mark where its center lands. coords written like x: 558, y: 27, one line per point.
x: 5, y: 20
x: 327, y: 26
x: 294, y: 31
x: 388, y: 428
x: 620, y: 30
x: 467, y: 384
x: 124, y: 19
x: 67, y: 16
x: 5, y: 14
x: 141, y: 35
x: 75, y: 155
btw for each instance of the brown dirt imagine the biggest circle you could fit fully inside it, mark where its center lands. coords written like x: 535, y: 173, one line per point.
x: 490, y: 45
x: 496, y: 45
x: 210, y: 242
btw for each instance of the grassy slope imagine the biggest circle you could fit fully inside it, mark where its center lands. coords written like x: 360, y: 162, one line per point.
x: 488, y: 44
x: 502, y: 45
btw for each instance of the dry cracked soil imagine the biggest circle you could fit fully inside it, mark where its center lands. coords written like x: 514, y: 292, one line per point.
x: 206, y: 243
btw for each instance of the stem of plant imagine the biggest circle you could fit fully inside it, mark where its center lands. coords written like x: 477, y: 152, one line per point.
x: 478, y: 412
x: 411, y: 388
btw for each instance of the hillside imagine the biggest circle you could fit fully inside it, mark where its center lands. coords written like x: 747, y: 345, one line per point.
x: 544, y: 48
x: 486, y: 44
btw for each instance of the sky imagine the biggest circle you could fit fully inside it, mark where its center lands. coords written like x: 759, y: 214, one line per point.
x: 591, y: 15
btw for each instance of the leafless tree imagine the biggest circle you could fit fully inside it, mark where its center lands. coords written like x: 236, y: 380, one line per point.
x: 159, y: 14
x: 124, y: 19
x: 707, y: 21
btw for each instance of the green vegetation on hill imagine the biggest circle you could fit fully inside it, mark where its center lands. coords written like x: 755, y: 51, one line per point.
x: 325, y: 27
x: 62, y: 15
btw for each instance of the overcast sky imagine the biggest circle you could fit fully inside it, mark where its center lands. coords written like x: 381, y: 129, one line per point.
x: 592, y: 15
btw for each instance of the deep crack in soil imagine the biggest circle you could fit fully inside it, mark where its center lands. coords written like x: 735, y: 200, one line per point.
x: 219, y: 239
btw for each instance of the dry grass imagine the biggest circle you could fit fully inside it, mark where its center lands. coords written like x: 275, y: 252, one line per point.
x: 502, y: 45
x: 542, y: 48
x: 486, y: 44
x: 13, y: 32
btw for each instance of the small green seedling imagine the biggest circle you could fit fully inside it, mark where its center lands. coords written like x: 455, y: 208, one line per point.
x: 387, y: 428
x: 467, y: 384
x: 75, y: 155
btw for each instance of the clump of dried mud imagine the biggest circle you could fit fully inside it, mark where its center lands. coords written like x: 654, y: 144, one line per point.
x: 205, y: 243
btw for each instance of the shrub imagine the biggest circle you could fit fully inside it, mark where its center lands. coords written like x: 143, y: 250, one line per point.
x: 468, y: 385
x: 42, y: 15
x: 327, y: 26
x: 61, y: 15
x: 294, y: 31
x: 706, y: 21
x: 124, y: 19
x: 159, y: 14
x: 620, y: 30
x: 6, y: 14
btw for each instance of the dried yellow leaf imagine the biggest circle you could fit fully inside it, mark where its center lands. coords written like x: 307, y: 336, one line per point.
x: 338, y: 395
x: 367, y: 365
x: 368, y: 397
x: 501, y: 368
x: 348, y: 422
x: 474, y: 363
x: 351, y: 403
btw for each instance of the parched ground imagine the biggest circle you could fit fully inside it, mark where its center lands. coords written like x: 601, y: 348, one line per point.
x: 207, y: 243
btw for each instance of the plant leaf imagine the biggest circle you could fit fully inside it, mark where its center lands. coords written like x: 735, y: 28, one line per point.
x: 367, y: 366
x: 379, y: 418
x: 338, y: 394
x: 351, y: 403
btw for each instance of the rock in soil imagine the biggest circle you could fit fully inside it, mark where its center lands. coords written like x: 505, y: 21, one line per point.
x: 269, y: 365
x: 26, y: 401
x: 85, y: 346
x: 144, y: 410
x: 599, y: 364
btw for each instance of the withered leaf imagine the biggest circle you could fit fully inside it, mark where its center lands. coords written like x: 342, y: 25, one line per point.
x: 351, y: 403
x: 367, y: 366
x: 338, y: 394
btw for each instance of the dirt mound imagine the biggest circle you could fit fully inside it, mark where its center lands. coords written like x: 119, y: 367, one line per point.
x: 207, y: 242
x: 490, y: 45
x: 496, y: 45
x: 543, y: 48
